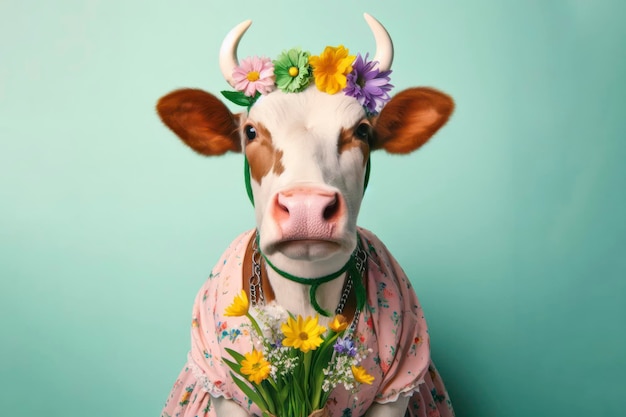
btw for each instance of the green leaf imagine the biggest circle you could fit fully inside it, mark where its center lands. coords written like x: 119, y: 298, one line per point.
x: 238, y: 97
x: 268, y: 393
x: 322, y: 360
x: 283, y: 394
x: 250, y: 393
x: 323, y: 356
x: 302, y: 400
x: 236, y: 355
x: 234, y: 366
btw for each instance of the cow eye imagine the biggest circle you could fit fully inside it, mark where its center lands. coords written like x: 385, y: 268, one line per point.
x: 362, y: 131
x: 250, y: 132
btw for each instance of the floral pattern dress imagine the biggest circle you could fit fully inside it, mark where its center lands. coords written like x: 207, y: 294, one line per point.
x: 392, y: 326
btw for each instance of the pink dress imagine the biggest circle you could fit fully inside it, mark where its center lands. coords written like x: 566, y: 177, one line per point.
x: 392, y: 325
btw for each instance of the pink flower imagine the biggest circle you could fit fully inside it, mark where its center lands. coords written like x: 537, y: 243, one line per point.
x: 254, y: 74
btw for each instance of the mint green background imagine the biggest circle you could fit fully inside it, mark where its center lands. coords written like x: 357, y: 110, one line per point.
x: 510, y: 223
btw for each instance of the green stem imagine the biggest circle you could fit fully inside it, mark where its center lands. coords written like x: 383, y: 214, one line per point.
x: 255, y: 325
x: 267, y: 398
x: 308, y: 357
x: 317, y: 393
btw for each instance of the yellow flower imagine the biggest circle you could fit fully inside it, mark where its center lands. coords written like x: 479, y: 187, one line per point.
x: 330, y: 69
x: 303, y: 334
x: 255, y: 366
x: 239, y: 307
x: 339, y: 323
x: 361, y: 375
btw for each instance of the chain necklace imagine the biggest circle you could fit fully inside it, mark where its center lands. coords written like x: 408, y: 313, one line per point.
x: 256, y: 287
x: 356, y: 266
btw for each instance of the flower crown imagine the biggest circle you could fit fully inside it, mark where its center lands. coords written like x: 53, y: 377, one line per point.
x: 333, y: 71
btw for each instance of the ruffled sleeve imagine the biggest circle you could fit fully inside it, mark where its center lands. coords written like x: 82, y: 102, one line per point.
x: 187, y: 398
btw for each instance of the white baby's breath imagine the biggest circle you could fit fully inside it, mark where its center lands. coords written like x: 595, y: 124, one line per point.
x: 271, y: 316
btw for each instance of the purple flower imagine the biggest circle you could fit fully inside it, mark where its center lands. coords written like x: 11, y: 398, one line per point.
x: 368, y: 85
x: 345, y: 346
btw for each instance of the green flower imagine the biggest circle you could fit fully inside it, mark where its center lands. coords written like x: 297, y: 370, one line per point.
x: 292, y: 70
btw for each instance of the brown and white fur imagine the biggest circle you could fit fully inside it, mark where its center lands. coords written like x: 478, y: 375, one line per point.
x: 307, y: 154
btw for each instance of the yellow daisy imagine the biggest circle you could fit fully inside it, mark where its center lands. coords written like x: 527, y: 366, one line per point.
x: 303, y: 334
x: 239, y: 307
x: 255, y: 366
x: 361, y: 376
x: 331, y: 67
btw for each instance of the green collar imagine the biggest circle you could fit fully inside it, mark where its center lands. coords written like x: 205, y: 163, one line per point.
x: 351, y: 267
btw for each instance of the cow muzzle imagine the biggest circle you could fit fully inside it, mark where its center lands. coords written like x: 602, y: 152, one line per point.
x: 309, y: 214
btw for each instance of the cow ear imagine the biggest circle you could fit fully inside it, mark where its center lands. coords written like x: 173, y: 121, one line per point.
x: 410, y: 119
x: 201, y: 120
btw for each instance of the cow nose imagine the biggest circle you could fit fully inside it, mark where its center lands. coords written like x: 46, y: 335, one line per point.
x: 308, y: 213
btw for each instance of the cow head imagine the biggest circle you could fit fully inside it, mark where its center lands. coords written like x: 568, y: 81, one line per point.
x: 308, y: 154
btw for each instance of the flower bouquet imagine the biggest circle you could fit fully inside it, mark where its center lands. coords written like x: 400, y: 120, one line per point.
x: 295, y: 362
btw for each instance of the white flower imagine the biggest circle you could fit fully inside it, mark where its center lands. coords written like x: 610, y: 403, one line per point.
x: 272, y: 316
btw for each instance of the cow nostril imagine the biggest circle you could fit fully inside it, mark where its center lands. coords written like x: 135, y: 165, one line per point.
x: 282, y: 207
x: 331, y: 210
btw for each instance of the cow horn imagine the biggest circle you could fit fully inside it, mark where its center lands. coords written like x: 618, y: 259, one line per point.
x: 384, y: 46
x: 228, y: 50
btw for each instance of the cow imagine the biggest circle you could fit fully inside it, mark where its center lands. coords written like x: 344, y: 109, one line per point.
x: 307, y: 160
